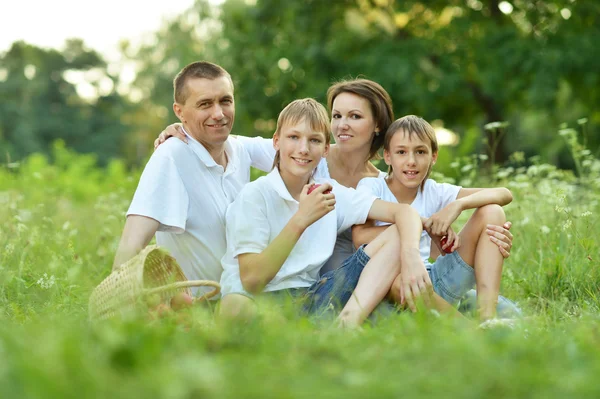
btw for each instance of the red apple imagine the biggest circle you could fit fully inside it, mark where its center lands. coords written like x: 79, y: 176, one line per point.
x: 181, y: 301
x: 443, y: 242
x: 160, y: 311
x: 314, y: 186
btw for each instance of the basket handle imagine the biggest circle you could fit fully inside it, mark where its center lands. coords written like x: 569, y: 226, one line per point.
x: 187, y: 284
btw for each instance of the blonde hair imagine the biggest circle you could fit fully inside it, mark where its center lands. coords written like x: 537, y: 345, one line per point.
x: 412, y: 126
x: 305, y: 109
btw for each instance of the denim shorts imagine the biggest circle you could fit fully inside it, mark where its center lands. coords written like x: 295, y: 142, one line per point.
x: 330, y: 293
x: 451, y: 277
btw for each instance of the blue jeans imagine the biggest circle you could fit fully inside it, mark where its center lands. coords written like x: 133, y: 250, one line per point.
x: 453, y: 279
x: 329, y: 295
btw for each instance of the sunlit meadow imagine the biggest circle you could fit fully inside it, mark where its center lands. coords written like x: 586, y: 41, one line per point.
x: 61, y: 221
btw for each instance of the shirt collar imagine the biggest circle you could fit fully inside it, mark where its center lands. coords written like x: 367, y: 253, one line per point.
x: 205, y: 156
x: 278, y: 185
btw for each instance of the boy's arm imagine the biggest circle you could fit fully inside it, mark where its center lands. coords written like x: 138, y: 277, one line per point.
x: 258, y: 269
x: 367, y: 232
x: 137, y: 233
x: 468, y: 198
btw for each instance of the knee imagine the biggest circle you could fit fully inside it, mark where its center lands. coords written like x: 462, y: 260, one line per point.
x: 237, y: 307
x: 491, y: 214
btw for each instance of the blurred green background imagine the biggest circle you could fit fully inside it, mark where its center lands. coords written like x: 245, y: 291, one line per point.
x: 462, y: 64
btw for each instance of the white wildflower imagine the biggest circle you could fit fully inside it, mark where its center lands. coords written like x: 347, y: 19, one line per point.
x: 46, y: 282
x: 568, y: 223
x: 586, y: 214
x: 545, y: 229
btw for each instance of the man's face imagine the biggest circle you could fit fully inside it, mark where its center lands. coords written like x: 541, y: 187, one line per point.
x: 209, y: 110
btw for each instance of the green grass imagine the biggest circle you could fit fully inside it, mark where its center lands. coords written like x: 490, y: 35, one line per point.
x: 61, y: 225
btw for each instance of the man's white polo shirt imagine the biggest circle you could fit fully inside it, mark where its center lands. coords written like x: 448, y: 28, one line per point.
x: 188, y: 193
x: 262, y: 210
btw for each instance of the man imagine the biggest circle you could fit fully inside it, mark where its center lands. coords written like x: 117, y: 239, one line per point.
x: 185, y: 189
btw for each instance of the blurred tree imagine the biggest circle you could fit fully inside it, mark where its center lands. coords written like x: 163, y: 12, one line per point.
x: 39, y: 105
x: 465, y: 62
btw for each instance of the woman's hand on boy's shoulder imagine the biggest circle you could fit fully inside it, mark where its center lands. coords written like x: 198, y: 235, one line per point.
x: 439, y: 223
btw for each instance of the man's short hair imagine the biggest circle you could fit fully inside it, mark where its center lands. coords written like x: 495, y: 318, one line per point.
x: 195, y: 70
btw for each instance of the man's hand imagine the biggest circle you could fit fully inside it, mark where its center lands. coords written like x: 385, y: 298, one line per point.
x: 173, y: 130
x: 502, y: 237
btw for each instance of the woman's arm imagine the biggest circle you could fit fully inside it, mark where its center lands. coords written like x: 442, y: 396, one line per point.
x: 468, y: 198
x: 258, y: 269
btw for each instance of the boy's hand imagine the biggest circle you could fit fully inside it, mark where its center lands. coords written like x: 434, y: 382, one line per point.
x: 502, y: 237
x: 315, y: 205
x: 173, y: 130
x: 439, y: 223
x: 414, y: 280
x: 448, y: 245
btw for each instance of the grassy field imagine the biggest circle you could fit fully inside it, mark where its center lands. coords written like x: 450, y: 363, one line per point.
x: 61, y: 222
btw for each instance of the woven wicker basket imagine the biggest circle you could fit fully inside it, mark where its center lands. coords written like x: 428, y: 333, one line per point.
x: 153, y: 272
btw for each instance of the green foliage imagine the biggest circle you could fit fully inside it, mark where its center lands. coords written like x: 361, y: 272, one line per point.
x: 62, y: 220
x: 39, y: 105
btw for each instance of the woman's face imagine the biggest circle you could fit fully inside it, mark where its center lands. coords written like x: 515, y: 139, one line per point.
x: 352, y: 122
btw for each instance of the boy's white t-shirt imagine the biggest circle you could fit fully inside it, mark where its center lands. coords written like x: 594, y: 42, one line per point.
x: 434, y: 197
x: 260, y: 148
x: 260, y: 213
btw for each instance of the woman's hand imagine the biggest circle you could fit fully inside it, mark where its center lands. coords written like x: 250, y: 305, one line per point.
x: 173, y: 130
x: 315, y: 205
x: 502, y: 237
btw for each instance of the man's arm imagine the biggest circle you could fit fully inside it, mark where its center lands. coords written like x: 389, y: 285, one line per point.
x: 137, y: 233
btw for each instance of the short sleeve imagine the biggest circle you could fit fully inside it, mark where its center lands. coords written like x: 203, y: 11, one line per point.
x: 352, y: 206
x: 161, y: 194
x: 260, y: 150
x: 371, y: 185
x: 248, y: 228
x: 444, y: 192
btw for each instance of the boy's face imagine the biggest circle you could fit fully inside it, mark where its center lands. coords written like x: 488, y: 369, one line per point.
x: 410, y: 157
x: 208, y: 111
x: 300, y: 149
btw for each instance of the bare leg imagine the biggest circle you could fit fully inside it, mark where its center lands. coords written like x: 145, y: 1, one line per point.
x: 376, y: 278
x: 481, y: 253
